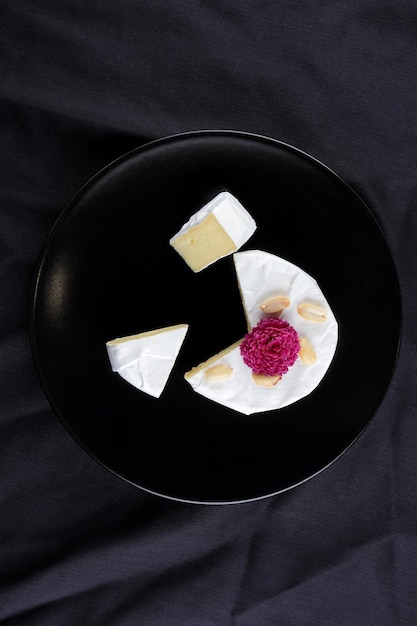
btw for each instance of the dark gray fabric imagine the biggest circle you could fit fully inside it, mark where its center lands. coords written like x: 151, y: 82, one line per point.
x: 82, y: 83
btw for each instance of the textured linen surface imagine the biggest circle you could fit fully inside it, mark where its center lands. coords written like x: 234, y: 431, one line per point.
x: 82, y: 83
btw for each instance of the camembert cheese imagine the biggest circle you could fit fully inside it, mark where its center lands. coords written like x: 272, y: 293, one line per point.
x: 145, y: 360
x: 218, y: 229
x: 224, y: 378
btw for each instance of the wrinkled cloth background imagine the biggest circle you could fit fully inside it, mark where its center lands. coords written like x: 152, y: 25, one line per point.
x: 82, y: 83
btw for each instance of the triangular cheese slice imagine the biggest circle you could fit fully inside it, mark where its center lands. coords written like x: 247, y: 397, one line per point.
x: 145, y: 360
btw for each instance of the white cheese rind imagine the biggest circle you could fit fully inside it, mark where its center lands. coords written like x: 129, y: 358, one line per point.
x: 146, y: 360
x: 241, y: 394
x: 262, y: 275
x: 232, y: 217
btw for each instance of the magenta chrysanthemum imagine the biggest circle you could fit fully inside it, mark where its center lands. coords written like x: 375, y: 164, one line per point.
x: 271, y: 347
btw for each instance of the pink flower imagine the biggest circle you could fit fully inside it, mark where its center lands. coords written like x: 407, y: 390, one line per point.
x: 271, y: 347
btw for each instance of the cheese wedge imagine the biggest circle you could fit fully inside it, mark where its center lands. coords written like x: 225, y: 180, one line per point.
x: 145, y: 360
x: 218, y: 229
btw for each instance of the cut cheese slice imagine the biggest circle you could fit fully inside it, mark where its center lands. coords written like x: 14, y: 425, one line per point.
x: 218, y: 229
x: 145, y: 360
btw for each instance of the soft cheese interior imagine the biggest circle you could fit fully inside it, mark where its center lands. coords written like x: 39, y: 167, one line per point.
x: 145, y: 360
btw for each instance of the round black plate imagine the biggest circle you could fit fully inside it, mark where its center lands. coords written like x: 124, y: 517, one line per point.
x: 107, y: 270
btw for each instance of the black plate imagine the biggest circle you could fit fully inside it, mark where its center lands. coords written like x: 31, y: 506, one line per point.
x: 107, y: 270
